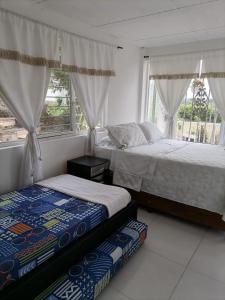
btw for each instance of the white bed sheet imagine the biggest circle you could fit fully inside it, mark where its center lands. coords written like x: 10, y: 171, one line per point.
x: 189, y: 173
x: 114, y: 198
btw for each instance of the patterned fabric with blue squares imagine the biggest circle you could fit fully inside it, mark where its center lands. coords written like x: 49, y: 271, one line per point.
x: 35, y: 223
x: 87, y: 279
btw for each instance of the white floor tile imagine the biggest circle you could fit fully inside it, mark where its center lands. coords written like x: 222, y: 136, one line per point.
x: 210, y: 257
x: 148, y: 276
x: 146, y: 217
x: 111, y: 294
x: 194, y: 286
x: 156, y: 268
x: 174, y: 239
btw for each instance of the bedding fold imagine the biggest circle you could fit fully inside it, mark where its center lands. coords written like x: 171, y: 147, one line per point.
x: 114, y: 198
x: 131, y: 166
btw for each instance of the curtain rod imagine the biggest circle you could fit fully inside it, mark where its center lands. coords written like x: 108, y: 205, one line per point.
x: 55, y: 28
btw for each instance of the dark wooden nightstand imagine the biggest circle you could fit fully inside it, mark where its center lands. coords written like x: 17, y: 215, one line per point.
x: 90, y: 167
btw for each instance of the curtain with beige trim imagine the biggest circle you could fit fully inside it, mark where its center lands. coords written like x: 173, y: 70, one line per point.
x: 214, y: 62
x: 173, y: 88
x: 27, y: 50
x: 90, y: 64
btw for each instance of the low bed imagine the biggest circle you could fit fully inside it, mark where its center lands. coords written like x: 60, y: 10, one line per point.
x: 182, y: 178
x: 45, y: 228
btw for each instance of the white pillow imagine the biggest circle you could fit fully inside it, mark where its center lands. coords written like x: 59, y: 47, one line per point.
x: 126, y: 135
x: 151, y: 132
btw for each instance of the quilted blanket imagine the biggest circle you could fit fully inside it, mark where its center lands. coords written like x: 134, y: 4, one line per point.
x: 185, y: 172
x: 35, y: 223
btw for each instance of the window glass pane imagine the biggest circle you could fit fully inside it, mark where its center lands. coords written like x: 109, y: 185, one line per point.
x: 80, y: 121
x: 56, y: 112
x: 61, y: 112
x: 198, y: 119
x: 10, y: 130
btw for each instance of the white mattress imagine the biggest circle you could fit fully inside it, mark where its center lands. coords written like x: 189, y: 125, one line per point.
x: 189, y: 173
x: 114, y: 198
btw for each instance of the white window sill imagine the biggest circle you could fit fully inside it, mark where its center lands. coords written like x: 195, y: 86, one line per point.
x: 44, y: 138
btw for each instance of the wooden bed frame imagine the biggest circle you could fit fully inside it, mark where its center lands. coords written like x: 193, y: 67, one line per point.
x: 34, y: 282
x: 186, y: 212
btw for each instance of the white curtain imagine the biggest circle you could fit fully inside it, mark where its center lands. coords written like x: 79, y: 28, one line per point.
x: 90, y: 65
x: 214, y: 61
x: 172, y: 91
x: 26, y: 51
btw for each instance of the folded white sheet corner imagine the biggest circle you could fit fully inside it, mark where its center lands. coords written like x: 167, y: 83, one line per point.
x: 114, y: 198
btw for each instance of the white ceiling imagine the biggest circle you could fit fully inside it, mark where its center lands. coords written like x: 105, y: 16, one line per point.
x: 145, y: 23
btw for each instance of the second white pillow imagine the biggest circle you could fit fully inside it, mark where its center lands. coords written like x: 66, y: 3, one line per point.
x: 151, y: 132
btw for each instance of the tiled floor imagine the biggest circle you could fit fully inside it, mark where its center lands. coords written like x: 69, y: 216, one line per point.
x: 179, y: 261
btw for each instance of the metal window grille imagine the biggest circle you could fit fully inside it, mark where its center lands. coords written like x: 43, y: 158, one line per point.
x: 198, y: 119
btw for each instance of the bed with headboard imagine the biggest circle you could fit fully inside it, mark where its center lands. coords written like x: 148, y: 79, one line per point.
x: 177, y: 177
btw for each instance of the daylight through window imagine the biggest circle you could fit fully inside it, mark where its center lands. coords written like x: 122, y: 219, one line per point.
x: 10, y: 130
x: 198, y: 119
x: 61, y: 112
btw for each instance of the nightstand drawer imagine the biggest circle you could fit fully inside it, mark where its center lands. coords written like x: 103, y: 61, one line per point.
x: 99, y: 178
x: 97, y: 170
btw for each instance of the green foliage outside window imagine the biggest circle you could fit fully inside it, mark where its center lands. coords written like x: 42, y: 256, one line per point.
x: 62, y: 106
x: 200, y: 108
x: 187, y: 112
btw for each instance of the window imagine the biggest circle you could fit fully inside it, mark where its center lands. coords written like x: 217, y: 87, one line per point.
x: 197, y: 119
x: 61, y: 113
x: 9, y: 128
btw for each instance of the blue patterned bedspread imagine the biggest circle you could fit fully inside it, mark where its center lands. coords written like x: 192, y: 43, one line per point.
x: 87, y: 279
x: 35, y: 223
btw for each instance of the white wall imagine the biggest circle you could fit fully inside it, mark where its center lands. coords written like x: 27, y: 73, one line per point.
x: 55, y: 153
x: 124, y: 94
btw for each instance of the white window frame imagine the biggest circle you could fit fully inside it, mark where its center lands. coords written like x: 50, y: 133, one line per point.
x: 145, y: 91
